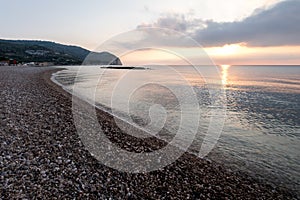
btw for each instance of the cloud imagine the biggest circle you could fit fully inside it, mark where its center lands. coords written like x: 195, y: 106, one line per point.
x: 177, y: 22
x: 276, y: 26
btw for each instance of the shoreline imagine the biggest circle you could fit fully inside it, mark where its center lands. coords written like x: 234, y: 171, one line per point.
x: 49, y: 160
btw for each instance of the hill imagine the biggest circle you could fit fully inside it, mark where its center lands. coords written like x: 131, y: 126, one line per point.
x: 24, y: 51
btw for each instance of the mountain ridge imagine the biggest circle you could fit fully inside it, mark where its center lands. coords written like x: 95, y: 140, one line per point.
x: 24, y: 51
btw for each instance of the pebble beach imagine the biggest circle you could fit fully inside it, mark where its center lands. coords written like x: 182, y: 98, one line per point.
x: 42, y: 156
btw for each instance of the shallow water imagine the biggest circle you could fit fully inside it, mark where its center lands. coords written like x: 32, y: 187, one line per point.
x: 261, y: 133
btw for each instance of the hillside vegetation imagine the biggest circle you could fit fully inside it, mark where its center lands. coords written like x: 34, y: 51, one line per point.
x: 24, y: 51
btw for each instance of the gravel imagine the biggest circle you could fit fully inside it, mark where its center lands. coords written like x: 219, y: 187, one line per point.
x: 41, y: 155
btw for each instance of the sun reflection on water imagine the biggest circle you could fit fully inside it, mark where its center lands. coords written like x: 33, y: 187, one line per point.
x: 225, y: 74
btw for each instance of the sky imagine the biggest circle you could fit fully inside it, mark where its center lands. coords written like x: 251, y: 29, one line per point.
x: 231, y: 32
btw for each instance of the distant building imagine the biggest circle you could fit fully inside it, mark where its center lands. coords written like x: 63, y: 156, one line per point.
x: 4, y: 63
x: 37, y: 52
x: 45, y: 64
x: 31, y: 64
x: 39, y: 64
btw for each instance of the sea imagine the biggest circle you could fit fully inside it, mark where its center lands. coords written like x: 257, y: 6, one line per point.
x: 250, y: 114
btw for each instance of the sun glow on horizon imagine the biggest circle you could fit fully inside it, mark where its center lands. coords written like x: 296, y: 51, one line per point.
x: 241, y: 54
x: 225, y: 50
x: 234, y: 54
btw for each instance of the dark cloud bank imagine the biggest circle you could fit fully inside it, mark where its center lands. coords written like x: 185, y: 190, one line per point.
x: 277, y: 26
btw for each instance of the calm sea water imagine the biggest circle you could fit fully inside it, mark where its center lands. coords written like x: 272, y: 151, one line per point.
x: 261, y: 133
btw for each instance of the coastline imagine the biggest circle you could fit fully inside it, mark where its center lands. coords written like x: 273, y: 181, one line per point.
x: 44, y: 157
